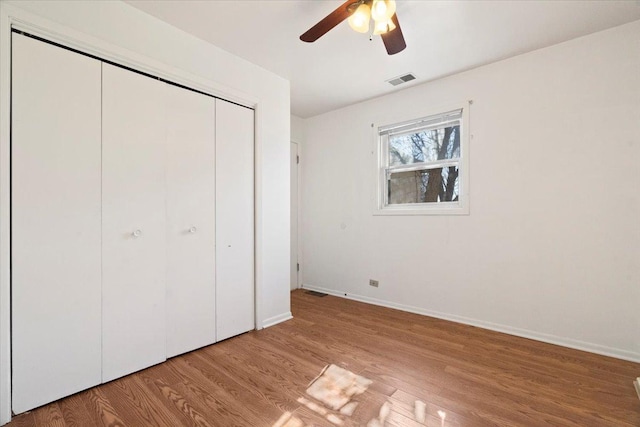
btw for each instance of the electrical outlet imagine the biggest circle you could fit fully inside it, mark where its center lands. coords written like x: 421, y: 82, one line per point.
x: 373, y: 283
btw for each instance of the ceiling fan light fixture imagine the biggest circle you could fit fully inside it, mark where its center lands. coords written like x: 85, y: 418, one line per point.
x: 358, y: 13
x: 359, y: 20
x: 383, y: 10
x: 382, y: 27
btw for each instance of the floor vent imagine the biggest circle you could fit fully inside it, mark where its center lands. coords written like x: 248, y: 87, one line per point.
x: 402, y: 79
x: 316, y: 294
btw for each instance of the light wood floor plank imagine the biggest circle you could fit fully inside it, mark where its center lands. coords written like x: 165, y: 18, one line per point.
x: 471, y: 376
x: 75, y: 412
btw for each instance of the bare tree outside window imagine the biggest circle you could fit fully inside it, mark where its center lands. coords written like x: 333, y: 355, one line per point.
x: 439, y: 184
x: 422, y: 165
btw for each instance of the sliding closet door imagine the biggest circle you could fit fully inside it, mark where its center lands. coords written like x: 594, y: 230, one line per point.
x: 190, y: 220
x: 55, y: 224
x: 133, y: 222
x: 234, y: 220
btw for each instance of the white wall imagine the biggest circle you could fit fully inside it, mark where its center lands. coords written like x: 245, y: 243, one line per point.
x: 297, y: 129
x: 551, y: 248
x: 131, y: 33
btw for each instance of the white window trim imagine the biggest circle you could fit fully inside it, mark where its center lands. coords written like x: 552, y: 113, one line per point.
x: 460, y: 207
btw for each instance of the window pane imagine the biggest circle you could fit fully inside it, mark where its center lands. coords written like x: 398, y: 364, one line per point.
x: 424, y: 146
x: 424, y: 186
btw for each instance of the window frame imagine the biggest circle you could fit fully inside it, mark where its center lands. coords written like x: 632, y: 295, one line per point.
x: 459, y: 207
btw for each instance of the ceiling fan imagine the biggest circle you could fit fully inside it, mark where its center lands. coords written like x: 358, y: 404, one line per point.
x: 360, y: 13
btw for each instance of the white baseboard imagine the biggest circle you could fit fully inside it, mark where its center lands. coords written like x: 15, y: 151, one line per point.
x: 277, y: 319
x: 525, y: 333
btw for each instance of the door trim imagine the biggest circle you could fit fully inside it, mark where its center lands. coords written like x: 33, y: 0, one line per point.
x: 300, y: 254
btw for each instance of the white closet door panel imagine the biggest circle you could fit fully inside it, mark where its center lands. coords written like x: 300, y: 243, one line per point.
x: 190, y: 220
x: 234, y: 220
x: 55, y: 149
x: 133, y: 222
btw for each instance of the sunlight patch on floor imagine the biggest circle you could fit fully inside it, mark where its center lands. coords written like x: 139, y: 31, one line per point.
x: 442, y: 416
x: 334, y: 396
x: 336, y: 386
x: 288, y: 420
x: 385, y: 410
x: 420, y: 411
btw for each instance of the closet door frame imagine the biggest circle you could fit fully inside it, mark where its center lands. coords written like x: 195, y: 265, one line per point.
x: 16, y: 18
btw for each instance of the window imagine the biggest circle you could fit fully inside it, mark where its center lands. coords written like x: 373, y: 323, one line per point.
x: 422, y: 166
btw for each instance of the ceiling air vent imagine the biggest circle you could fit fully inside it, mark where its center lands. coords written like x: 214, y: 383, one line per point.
x: 402, y: 79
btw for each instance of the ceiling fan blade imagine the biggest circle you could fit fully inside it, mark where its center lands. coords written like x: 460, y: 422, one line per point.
x: 394, y: 40
x: 330, y: 21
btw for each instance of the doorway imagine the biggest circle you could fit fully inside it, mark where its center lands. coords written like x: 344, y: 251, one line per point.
x: 295, y: 266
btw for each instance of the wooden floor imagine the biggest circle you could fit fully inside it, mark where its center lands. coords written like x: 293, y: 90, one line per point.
x: 466, y: 376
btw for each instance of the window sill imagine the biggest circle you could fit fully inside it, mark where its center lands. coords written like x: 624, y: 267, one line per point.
x: 440, y: 209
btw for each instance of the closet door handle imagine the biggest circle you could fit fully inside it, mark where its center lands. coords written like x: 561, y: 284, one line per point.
x: 193, y: 230
x: 137, y: 233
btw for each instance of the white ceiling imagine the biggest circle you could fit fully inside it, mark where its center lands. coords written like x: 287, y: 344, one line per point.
x: 344, y: 67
